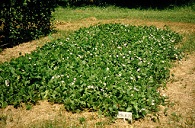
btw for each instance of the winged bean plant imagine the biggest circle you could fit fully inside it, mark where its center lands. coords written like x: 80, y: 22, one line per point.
x: 106, y: 68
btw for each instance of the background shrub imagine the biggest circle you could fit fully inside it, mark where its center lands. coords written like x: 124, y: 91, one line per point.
x: 24, y: 20
x: 127, y: 3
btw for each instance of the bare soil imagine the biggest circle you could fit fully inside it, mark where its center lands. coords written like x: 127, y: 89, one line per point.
x: 180, y: 112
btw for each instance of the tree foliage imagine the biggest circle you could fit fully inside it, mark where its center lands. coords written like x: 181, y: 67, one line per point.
x: 126, y: 3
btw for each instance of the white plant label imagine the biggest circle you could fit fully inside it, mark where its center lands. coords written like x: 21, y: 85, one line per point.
x: 125, y: 115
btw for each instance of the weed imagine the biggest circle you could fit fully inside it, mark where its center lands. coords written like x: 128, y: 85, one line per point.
x: 82, y: 120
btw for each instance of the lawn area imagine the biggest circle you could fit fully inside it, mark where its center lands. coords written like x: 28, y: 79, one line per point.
x: 46, y: 63
x: 184, y: 14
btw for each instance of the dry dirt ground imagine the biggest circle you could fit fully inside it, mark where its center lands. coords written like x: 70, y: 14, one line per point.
x: 180, y: 112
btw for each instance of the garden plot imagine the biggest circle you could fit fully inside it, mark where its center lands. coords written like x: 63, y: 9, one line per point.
x: 106, y: 68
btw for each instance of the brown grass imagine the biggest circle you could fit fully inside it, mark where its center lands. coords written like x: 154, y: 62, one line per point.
x: 22, y: 49
x: 176, y: 26
x: 181, y: 91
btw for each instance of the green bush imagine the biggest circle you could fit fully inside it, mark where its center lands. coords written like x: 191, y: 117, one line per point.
x: 25, y: 20
x: 127, y: 3
x: 107, y: 68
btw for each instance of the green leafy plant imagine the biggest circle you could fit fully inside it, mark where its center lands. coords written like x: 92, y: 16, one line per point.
x: 82, y: 120
x: 106, y: 68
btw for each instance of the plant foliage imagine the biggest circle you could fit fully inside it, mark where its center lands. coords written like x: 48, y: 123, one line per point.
x: 109, y: 68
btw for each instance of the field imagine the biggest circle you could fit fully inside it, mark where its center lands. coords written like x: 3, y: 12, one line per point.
x: 179, y: 111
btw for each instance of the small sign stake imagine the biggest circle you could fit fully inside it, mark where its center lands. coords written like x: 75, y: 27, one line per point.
x: 125, y: 115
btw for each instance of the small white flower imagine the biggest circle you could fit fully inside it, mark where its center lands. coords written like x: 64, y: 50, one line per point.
x: 172, y: 40
x: 53, y: 77
x: 7, y: 83
x: 140, y: 58
x: 91, y: 87
x: 72, y: 83
x: 152, y: 102
x: 123, y: 65
x: 80, y: 56
x: 136, y: 89
x: 140, y: 63
x: 107, y: 69
x: 143, y: 109
x: 164, y: 95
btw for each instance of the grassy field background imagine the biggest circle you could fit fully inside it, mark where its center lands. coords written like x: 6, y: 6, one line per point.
x: 183, y: 14
x: 179, y: 113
